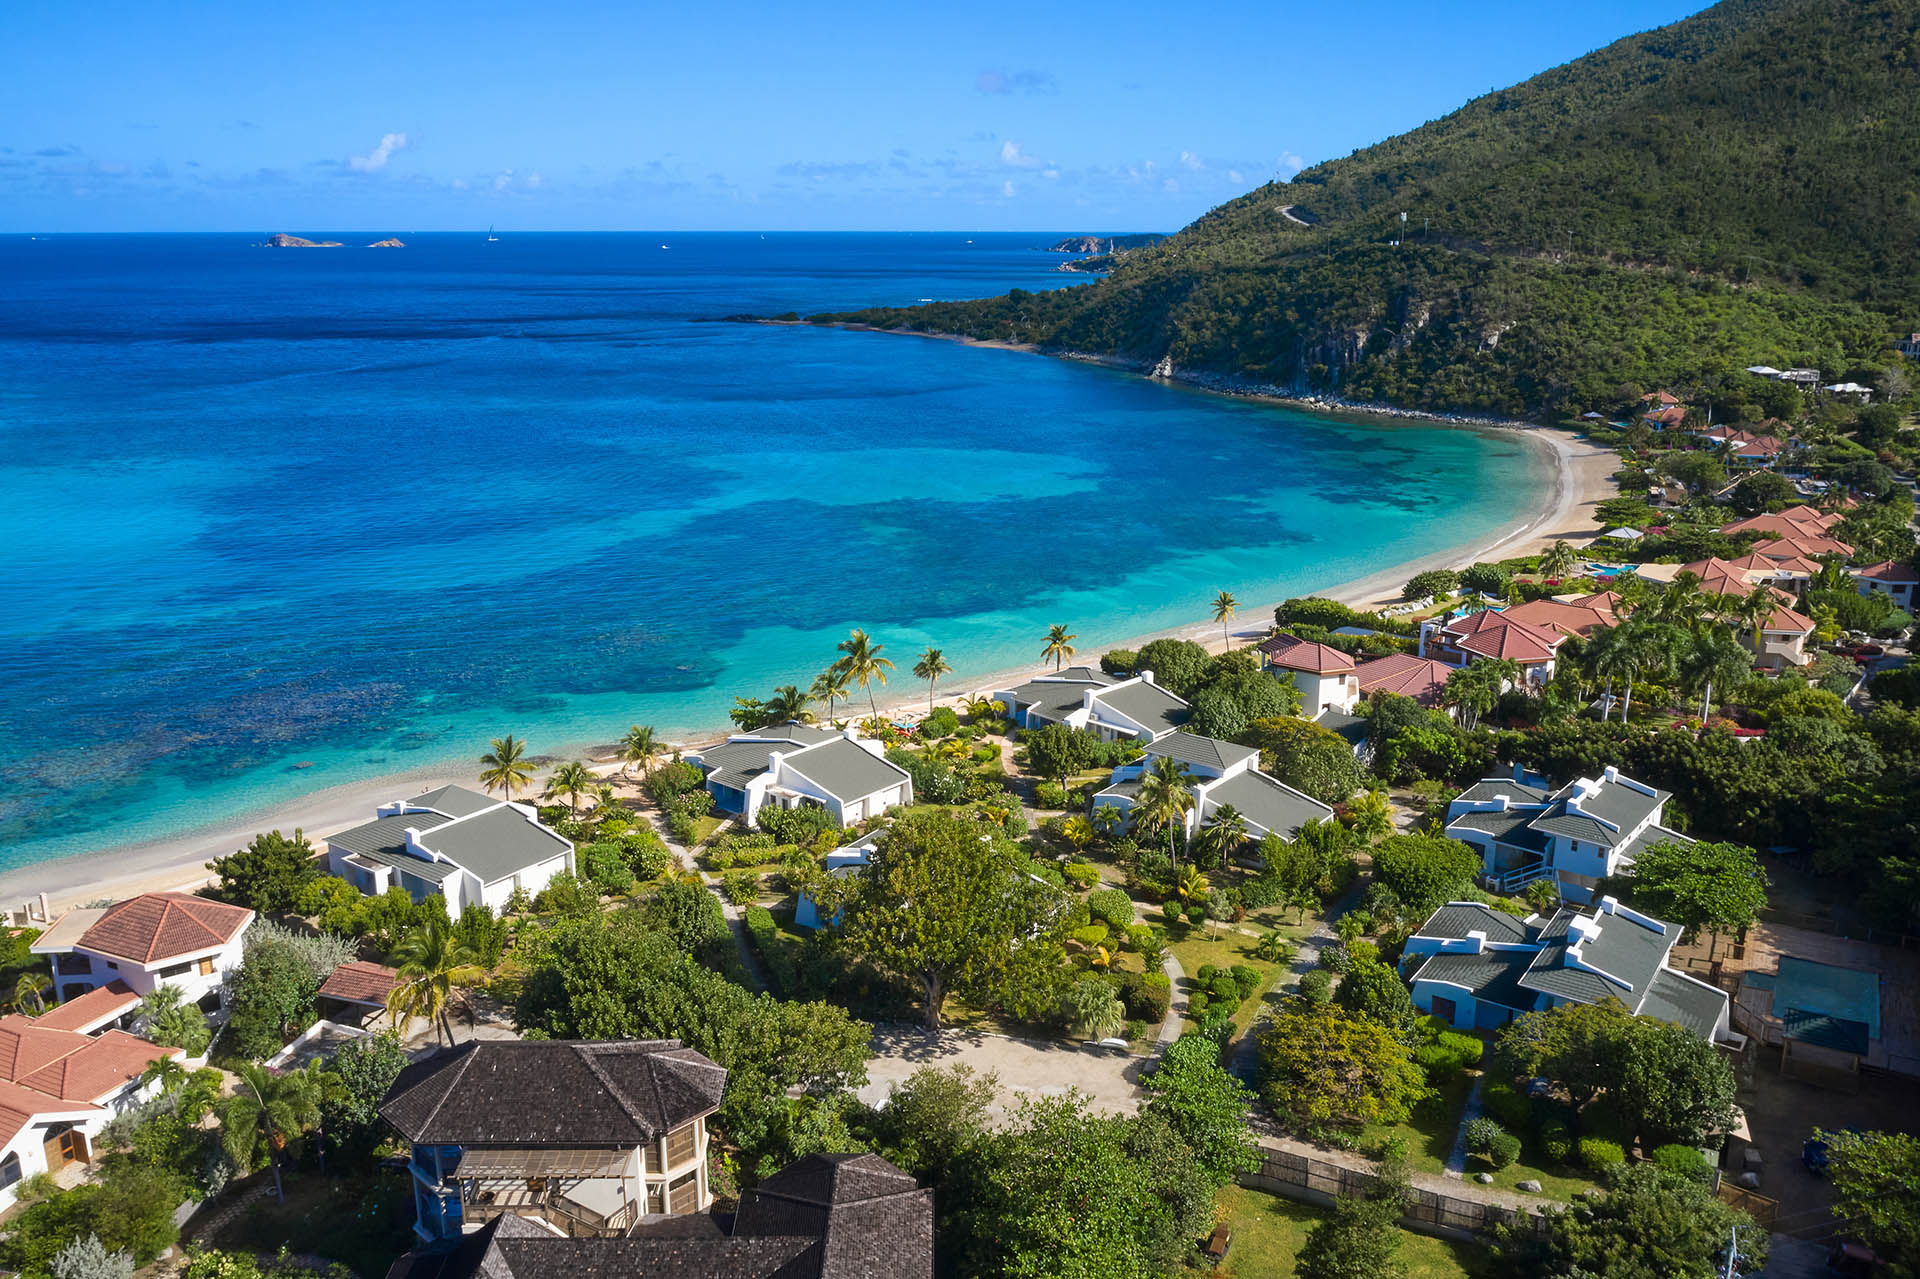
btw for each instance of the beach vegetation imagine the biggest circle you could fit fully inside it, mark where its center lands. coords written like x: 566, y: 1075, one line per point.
x: 571, y: 779
x: 865, y: 665
x: 1059, y: 646
x: 830, y: 686
x: 639, y: 748
x: 931, y: 667
x: 506, y: 766
x: 1434, y: 584
x: 268, y: 874
x: 1177, y: 665
x: 1224, y: 607
x: 426, y: 959
x: 1119, y: 661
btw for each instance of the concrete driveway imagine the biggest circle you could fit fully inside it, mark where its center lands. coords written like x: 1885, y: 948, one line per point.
x: 1030, y: 1066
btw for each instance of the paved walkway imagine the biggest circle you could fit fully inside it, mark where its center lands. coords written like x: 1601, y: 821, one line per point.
x: 1032, y: 1067
x: 1177, y: 1006
x: 1457, y: 1157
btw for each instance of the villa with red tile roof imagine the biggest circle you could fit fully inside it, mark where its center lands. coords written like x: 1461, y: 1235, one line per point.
x: 1570, y: 619
x: 1888, y: 577
x: 1420, y: 678
x: 60, y: 1087
x: 1492, y: 634
x: 1322, y: 673
x: 172, y: 938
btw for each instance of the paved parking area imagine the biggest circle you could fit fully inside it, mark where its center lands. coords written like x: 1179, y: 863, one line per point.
x: 1028, y: 1066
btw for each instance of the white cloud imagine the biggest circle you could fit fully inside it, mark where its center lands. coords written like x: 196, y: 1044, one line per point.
x: 376, y: 160
x: 1170, y: 186
x: 1006, y: 188
x: 1010, y: 153
x: 1192, y: 161
x: 1233, y: 176
x: 1289, y: 164
x: 1049, y: 173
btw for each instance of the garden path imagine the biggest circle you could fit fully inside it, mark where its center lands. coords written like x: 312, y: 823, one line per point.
x: 1457, y: 1157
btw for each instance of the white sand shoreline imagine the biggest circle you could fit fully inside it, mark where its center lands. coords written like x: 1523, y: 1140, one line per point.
x: 1581, y: 474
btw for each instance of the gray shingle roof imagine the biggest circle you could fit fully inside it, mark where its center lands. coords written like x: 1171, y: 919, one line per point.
x: 845, y: 769
x: 1624, y: 949
x: 386, y: 835
x: 1148, y: 705
x: 1671, y: 997
x: 1492, y: 975
x: 454, y: 801
x: 1494, y: 787
x: 419, y: 867
x: 1266, y: 803
x: 495, y: 845
x: 511, y: 1247
x: 1610, y: 810
x: 1351, y: 728
x: 1455, y: 920
x: 1649, y: 837
x: 1202, y: 752
x: 1511, y: 827
x: 872, y: 1220
x: 734, y: 764
x: 589, y: 1095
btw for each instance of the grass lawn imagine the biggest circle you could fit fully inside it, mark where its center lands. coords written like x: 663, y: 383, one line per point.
x: 362, y: 1223
x: 1268, y: 1232
x: 1197, y: 949
x: 703, y: 828
x: 1429, y: 1135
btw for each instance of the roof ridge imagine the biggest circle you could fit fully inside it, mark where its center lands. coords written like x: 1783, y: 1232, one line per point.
x: 459, y: 1073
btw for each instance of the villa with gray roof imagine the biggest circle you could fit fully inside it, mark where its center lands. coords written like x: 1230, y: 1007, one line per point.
x: 796, y: 765
x: 1084, y: 698
x: 470, y: 848
x: 1574, y: 836
x: 1222, y: 774
x: 1477, y: 968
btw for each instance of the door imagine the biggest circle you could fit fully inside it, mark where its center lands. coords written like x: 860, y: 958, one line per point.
x: 1443, y: 1009
x: 65, y: 1146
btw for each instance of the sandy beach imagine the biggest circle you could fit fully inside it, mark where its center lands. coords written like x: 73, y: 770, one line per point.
x: 1565, y: 510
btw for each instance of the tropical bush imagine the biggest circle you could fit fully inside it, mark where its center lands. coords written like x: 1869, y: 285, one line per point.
x: 1503, y: 1102
x: 803, y: 825
x: 1600, y: 1155
x: 1081, y: 875
x: 1682, y: 1161
x: 942, y: 721
x: 1556, y: 1143
x: 1316, y: 986
x: 739, y: 887
x: 1111, y: 906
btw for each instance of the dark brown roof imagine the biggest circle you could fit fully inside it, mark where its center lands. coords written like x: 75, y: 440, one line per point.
x: 510, y: 1247
x: 359, y: 982
x: 873, y: 1221
x: 601, y: 1095
x: 157, y: 926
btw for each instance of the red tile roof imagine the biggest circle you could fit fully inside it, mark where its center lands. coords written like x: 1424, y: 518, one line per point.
x: 159, y: 926
x: 1802, y: 546
x: 102, y: 1066
x: 1297, y: 654
x: 1569, y: 619
x: 1491, y: 634
x: 1889, y: 571
x: 1420, y: 678
x: 100, y: 1005
x: 359, y: 982
x: 21, y: 1106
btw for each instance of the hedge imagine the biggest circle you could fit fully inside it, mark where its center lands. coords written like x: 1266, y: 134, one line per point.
x: 1600, y: 1155
x: 1112, y: 907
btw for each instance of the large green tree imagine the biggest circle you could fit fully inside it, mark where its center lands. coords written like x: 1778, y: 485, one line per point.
x: 1205, y: 1106
x: 1876, y: 1187
x: 1716, y: 886
x: 268, y: 873
x: 1358, y: 1239
x: 1324, y: 1068
x: 1306, y: 756
x: 1649, y: 1225
x: 946, y: 901
x: 1425, y: 871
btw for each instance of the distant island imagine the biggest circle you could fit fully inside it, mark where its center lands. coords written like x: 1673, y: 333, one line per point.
x: 1106, y: 243
x: 388, y: 243
x: 285, y: 241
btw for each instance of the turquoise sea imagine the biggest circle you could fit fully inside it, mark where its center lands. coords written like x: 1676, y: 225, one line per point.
x: 282, y: 519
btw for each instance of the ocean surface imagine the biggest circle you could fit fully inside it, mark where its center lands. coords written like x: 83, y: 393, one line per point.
x: 279, y: 519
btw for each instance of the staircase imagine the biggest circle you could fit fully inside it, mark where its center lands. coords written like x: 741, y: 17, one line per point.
x: 1515, y: 880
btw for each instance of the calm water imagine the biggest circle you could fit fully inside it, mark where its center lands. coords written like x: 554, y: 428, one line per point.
x: 281, y: 519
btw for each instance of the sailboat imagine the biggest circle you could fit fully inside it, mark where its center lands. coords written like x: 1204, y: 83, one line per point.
x: 491, y: 237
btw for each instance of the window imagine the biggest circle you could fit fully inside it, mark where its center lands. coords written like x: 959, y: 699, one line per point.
x: 113, y: 965
x: 1444, y: 1009
x: 206, y: 966
x: 73, y: 964
x: 9, y: 1170
x: 176, y: 970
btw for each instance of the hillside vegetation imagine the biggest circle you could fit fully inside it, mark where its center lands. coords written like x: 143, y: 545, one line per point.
x: 1740, y: 187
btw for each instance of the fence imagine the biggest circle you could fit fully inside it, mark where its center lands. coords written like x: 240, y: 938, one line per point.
x: 1317, y: 1181
x: 1757, y: 1206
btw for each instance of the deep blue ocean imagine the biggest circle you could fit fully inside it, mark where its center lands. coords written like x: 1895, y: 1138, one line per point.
x: 280, y: 519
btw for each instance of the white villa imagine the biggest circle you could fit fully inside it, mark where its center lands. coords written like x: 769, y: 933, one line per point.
x: 60, y: 1085
x: 131, y: 947
x: 1221, y: 774
x: 1135, y: 709
x: 1323, y: 674
x: 797, y: 765
x: 1575, y: 836
x: 470, y: 848
x: 1899, y: 581
x: 1477, y: 968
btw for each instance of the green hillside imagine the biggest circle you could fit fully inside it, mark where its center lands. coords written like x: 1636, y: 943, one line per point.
x: 1741, y: 187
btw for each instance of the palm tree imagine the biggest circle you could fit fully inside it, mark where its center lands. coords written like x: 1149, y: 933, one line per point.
x: 1165, y: 799
x: 640, y: 746
x: 426, y: 958
x: 1715, y: 658
x: 1107, y: 819
x: 1606, y: 655
x: 264, y: 1113
x: 29, y: 993
x: 931, y: 666
x: 1059, y: 646
x: 605, y: 802
x: 1754, y: 610
x: 830, y: 686
x: 789, y: 704
x: 1683, y: 601
x: 192, y: 1093
x: 1371, y: 817
x: 1193, y: 885
x: 979, y: 708
x: 572, y: 779
x: 864, y: 665
x: 172, y: 1022
x: 1077, y: 831
x: 1225, y: 831
x: 506, y: 766
x: 1224, y: 606
x: 1558, y: 560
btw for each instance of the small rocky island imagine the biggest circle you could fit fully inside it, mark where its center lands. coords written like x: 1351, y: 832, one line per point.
x: 388, y: 243
x: 285, y: 241
x: 1106, y: 243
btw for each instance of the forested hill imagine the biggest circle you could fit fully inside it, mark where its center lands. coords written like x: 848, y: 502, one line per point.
x: 1741, y: 187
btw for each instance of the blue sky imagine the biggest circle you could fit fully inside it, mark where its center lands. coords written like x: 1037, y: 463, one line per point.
x: 216, y: 116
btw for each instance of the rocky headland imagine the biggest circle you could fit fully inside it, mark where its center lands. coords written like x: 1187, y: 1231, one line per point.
x: 284, y: 241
